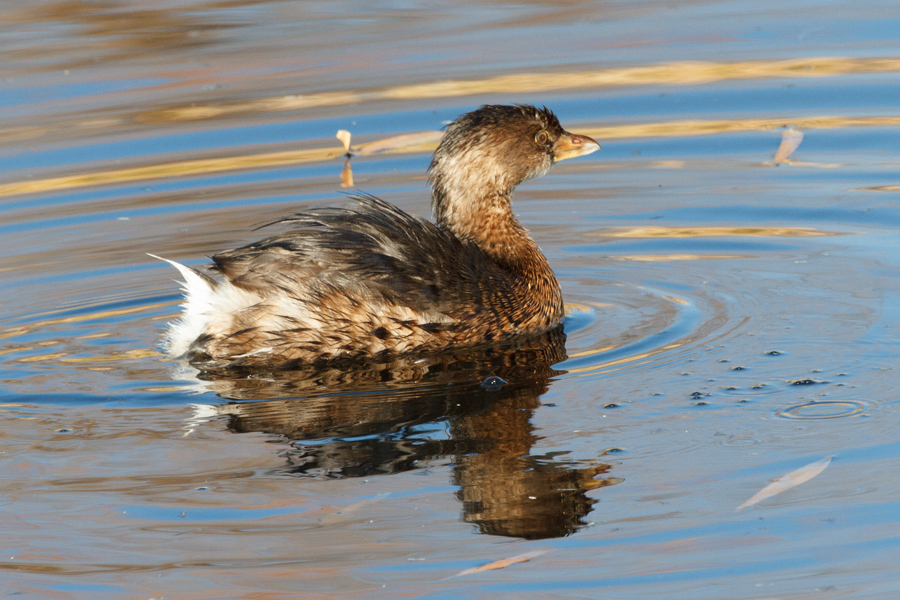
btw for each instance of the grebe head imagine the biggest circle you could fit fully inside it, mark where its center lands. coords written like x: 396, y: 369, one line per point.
x: 486, y: 153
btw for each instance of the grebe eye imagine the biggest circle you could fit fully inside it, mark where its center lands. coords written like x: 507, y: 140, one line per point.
x: 542, y: 138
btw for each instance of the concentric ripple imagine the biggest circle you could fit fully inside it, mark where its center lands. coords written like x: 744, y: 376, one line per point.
x: 814, y: 411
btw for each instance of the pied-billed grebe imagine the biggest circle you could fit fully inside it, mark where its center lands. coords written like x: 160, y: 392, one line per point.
x: 372, y: 281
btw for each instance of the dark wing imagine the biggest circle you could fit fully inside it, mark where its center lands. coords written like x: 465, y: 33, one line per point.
x: 372, y: 249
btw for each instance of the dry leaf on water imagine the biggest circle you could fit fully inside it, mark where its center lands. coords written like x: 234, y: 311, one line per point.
x: 791, y: 480
x: 503, y: 562
x: 344, y: 136
x: 790, y: 141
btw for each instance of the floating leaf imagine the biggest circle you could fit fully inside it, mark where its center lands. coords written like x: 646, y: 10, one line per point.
x: 790, y: 141
x: 344, y: 136
x: 791, y: 480
x: 500, y: 564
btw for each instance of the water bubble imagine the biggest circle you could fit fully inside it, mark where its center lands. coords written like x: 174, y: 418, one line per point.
x: 493, y: 383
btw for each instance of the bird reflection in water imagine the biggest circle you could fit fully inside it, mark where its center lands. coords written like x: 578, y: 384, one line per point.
x: 376, y: 417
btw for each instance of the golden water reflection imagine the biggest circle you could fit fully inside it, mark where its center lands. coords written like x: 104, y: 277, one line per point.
x: 881, y: 188
x: 674, y: 257
x: 417, y: 143
x: 674, y: 73
x: 716, y: 231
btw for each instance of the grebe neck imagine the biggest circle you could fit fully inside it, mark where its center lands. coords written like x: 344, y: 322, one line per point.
x: 488, y: 221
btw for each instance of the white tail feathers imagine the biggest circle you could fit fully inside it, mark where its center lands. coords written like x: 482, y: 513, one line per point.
x: 192, y: 277
x: 199, y: 293
x: 209, y: 306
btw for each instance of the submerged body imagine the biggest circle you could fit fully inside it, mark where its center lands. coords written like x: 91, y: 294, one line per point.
x: 371, y: 280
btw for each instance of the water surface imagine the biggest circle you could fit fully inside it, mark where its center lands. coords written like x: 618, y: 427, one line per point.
x: 730, y: 319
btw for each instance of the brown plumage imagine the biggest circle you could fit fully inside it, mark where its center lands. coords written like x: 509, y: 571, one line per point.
x: 371, y: 280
